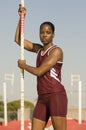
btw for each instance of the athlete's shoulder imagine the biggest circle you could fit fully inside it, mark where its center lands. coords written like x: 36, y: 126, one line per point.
x: 57, y: 52
x: 56, y: 48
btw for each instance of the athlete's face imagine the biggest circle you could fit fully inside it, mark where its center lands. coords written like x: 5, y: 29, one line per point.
x: 46, y: 34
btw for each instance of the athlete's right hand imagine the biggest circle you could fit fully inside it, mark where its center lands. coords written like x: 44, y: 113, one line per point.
x: 21, y: 10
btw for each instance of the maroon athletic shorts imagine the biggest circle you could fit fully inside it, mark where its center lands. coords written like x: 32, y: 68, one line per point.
x: 53, y: 104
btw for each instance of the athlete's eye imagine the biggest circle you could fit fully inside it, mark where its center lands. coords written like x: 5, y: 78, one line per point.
x: 41, y: 32
x: 48, y: 32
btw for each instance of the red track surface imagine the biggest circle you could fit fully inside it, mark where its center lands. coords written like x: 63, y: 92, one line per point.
x: 71, y: 125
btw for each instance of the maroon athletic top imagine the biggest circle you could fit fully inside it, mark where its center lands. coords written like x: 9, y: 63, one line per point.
x: 51, y: 81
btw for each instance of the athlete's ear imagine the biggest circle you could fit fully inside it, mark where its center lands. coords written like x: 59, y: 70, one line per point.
x: 53, y: 35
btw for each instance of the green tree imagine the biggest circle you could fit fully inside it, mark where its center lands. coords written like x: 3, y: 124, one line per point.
x: 12, y: 108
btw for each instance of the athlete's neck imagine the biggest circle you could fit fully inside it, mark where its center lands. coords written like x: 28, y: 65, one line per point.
x: 47, y: 46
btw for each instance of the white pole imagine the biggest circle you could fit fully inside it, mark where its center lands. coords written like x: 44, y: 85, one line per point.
x: 5, y: 104
x: 80, y: 103
x: 22, y: 71
x: 11, y: 78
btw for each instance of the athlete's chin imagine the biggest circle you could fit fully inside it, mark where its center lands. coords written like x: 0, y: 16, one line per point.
x: 45, y: 42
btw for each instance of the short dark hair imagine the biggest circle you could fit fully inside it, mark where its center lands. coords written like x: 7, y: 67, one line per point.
x: 50, y: 24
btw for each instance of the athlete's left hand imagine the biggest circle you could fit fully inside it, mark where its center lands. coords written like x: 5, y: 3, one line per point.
x: 21, y: 63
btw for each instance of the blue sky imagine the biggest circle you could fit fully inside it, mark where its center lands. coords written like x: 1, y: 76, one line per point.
x: 69, y: 18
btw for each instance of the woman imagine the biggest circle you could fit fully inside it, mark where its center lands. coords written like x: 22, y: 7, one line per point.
x: 52, y: 98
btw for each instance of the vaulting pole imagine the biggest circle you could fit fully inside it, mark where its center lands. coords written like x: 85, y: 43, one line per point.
x: 22, y: 71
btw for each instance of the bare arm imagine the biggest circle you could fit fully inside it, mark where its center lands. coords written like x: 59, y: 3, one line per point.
x: 28, y: 45
x: 55, y: 56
